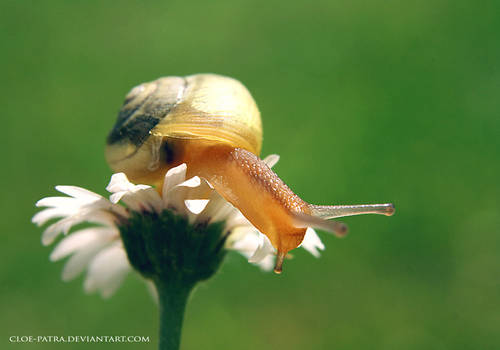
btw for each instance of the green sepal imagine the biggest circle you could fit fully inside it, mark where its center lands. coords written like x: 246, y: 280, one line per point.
x: 166, y: 247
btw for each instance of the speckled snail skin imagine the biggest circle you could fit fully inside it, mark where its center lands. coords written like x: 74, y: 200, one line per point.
x: 211, y: 123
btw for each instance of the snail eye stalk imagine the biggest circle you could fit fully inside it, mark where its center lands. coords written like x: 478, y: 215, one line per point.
x: 337, y: 211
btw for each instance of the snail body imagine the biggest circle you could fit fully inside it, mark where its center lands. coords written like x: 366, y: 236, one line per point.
x: 212, y: 124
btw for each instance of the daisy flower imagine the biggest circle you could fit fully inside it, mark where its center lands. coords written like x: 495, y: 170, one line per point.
x: 99, y: 247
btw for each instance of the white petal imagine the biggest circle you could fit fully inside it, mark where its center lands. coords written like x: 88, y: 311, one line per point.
x: 175, y: 197
x: 89, y: 214
x: 143, y: 199
x: 79, y: 240
x: 173, y: 177
x: 217, y: 209
x: 51, y: 232
x: 271, y: 160
x: 64, y: 207
x: 117, y: 196
x: 267, y: 264
x: 119, y: 210
x: 195, y: 181
x: 154, y: 199
x: 78, y: 192
x: 312, y: 242
x: 102, y: 217
x: 58, y: 202
x: 79, y: 261
x: 107, y: 270
x: 137, y: 197
x: 265, y: 248
x: 245, y: 241
x: 119, y: 183
x: 45, y: 215
x: 196, y: 206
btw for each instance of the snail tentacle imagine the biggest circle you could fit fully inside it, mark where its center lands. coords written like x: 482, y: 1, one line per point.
x: 337, y: 211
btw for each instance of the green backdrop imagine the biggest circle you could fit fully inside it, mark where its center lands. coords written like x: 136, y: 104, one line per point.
x: 365, y: 101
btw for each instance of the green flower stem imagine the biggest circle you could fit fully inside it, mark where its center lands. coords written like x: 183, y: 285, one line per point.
x: 172, y: 303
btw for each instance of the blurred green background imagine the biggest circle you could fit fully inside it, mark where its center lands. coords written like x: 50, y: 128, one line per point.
x: 365, y: 101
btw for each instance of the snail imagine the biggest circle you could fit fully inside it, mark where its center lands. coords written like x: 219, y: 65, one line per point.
x: 212, y: 123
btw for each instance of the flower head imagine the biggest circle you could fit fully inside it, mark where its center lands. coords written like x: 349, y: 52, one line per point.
x: 99, y: 248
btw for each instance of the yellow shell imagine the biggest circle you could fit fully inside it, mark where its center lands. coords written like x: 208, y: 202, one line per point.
x: 214, y: 108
